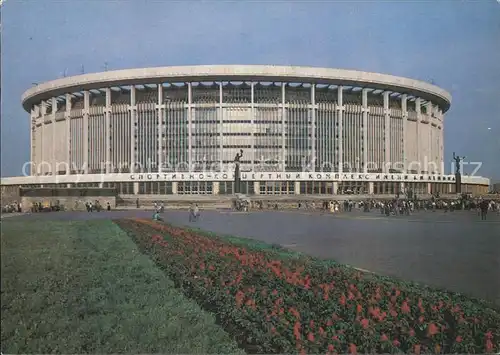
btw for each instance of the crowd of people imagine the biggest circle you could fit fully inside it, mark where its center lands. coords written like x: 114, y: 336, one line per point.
x: 398, y: 206
x: 194, y: 212
x: 96, y: 206
x: 12, y: 207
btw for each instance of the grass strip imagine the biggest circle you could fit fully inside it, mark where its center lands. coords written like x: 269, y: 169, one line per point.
x: 83, y: 287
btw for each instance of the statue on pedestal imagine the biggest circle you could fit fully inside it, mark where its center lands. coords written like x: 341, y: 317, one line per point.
x: 458, y: 172
x: 237, y: 181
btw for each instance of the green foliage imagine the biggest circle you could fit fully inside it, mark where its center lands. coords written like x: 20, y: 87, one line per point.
x: 276, y: 304
x: 83, y: 287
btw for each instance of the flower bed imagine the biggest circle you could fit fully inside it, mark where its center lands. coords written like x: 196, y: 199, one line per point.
x: 276, y: 304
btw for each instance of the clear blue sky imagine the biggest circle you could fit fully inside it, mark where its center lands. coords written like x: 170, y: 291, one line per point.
x: 456, y: 44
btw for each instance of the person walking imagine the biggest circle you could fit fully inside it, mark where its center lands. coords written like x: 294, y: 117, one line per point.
x: 191, y: 212
x: 196, y: 212
x: 484, y: 209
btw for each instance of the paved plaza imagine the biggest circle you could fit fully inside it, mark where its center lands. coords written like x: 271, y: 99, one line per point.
x: 455, y: 251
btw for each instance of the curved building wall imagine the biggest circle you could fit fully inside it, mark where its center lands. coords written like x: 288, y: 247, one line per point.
x: 280, y: 126
x: 176, y: 130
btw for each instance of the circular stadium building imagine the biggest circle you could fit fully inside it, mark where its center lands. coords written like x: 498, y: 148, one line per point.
x: 177, y: 130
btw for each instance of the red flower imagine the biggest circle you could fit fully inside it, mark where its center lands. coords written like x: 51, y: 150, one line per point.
x: 321, y: 331
x: 405, y: 308
x: 384, y: 337
x: 275, y: 292
x: 416, y: 349
x: 342, y: 300
x: 329, y: 323
x: 489, y: 346
x: 359, y: 308
x: 311, y: 324
x: 382, y: 316
x: 364, y: 323
x: 352, y: 349
x: 393, y: 313
x: 432, y: 329
x: 488, y: 335
x: 273, y: 330
x: 296, y: 330
x: 412, y: 332
x: 331, y: 348
x: 294, y: 312
x: 239, y: 298
x: 421, y: 319
x: 396, y: 343
x: 310, y: 337
x: 458, y: 339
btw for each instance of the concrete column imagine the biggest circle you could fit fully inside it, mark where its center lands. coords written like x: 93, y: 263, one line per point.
x: 252, y: 118
x: 215, y: 188
x: 221, y: 124
x: 297, y: 188
x: 365, y: 111
x: 370, y: 188
x: 107, y: 130
x: 190, y: 127
x: 404, y: 106
x: 67, y: 117
x: 335, y: 188
x: 54, y: 135
x: 32, y: 143
x: 429, y: 189
x: 313, y: 126
x: 418, y: 109
x: 174, y: 187
x: 136, y: 188
x: 441, y: 140
x: 37, y: 142
x: 429, y: 146
x: 387, y: 132
x: 160, y: 127
x: 283, y: 128
x: 86, y: 108
x: 256, y: 187
x: 43, y: 150
x: 340, y: 115
x: 133, y: 119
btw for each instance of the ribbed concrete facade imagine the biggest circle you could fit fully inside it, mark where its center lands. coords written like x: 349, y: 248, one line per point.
x: 192, y: 119
x: 285, y: 124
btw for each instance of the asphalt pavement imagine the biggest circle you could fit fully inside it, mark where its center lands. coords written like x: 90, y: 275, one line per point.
x: 455, y: 250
